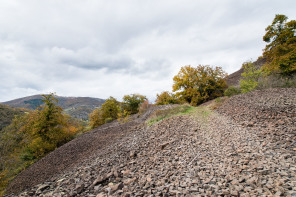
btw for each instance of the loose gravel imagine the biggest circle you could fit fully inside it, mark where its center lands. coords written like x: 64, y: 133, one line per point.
x: 245, y: 148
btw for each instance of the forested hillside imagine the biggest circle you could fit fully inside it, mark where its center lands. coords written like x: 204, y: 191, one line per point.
x: 77, y: 107
x: 7, y: 114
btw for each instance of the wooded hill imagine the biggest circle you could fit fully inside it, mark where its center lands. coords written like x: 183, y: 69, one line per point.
x: 77, y: 107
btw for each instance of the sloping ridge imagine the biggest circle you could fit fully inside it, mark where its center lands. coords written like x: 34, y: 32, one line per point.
x: 246, y: 147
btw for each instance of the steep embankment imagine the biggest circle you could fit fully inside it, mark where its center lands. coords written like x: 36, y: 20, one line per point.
x: 245, y: 148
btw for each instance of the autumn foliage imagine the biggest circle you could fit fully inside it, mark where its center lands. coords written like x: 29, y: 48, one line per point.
x: 196, y: 85
x: 32, y: 136
x: 281, y: 48
x: 166, y: 98
x: 109, y: 111
x: 113, y: 109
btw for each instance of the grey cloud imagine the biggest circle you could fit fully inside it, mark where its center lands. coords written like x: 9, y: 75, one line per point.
x: 105, y: 48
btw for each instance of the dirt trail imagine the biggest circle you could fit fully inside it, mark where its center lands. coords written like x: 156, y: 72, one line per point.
x: 246, y: 148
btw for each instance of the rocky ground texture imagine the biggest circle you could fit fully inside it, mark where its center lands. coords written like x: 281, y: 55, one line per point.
x: 245, y: 148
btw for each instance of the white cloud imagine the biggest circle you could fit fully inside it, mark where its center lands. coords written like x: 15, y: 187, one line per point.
x: 112, y: 48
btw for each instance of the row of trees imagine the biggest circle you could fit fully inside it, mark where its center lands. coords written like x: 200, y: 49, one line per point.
x: 196, y: 85
x: 113, y: 109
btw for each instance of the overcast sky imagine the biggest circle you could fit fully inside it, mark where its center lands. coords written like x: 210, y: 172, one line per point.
x: 103, y: 48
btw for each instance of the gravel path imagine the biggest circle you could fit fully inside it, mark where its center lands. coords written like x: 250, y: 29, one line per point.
x: 246, y: 148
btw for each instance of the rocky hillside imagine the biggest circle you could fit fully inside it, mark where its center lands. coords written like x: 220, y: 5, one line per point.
x: 78, y: 107
x: 245, y: 148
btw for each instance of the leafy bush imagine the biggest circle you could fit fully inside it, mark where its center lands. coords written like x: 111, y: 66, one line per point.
x: 231, y: 91
x: 196, y: 85
x: 131, y: 103
x: 166, y: 98
x: 250, y: 76
x: 109, y: 111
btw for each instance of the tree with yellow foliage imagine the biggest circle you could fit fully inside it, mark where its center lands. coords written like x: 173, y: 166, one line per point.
x: 196, y: 85
x: 47, y: 128
x: 280, y: 51
x: 166, y: 98
x: 31, y: 136
x: 109, y: 111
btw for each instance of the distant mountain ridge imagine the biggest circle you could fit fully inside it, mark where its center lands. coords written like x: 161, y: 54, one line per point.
x: 78, y: 107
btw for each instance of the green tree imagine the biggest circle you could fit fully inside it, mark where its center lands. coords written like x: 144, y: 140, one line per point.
x: 95, y: 118
x: 48, y: 128
x: 250, y: 76
x: 280, y: 51
x: 109, y: 111
x: 131, y: 103
x: 166, y: 98
x: 31, y: 136
x: 196, y: 85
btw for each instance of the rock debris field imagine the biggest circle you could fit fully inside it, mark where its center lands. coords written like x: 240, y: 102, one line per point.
x: 247, y: 147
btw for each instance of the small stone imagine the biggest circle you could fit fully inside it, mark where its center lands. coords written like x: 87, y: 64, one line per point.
x: 234, y: 182
x: 126, y: 172
x: 99, y: 180
x: 129, y: 181
x: 149, y: 179
x: 42, y: 187
x: 96, y: 188
x: 234, y: 193
x: 116, y: 187
x: 225, y: 192
x: 133, y: 154
x: 278, y: 193
x: 252, y: 180
x: 79, y: 188
x: 101, y: 195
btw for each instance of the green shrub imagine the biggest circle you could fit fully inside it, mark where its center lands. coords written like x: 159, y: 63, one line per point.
x: 250, y: 76
x: 109, y: 111
x: 231, y: 91
x: 166, y: 98
x: 131, y: 103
